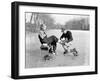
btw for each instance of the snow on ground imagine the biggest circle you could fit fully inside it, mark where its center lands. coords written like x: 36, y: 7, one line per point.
x: 34, y: 56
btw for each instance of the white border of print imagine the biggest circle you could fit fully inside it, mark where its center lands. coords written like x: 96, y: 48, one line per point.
x: 53, y: 70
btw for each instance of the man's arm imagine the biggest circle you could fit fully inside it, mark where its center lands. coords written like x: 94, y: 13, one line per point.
x: 70, y: 36
x: 62, y: 36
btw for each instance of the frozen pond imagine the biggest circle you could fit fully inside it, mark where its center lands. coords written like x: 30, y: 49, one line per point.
x: 34, y: 56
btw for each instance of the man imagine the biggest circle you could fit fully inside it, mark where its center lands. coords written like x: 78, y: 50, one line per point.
x: 66, y: 40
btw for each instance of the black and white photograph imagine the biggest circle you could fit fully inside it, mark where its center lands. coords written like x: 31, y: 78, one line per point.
x: 51, y: 40
x: 56, y: 40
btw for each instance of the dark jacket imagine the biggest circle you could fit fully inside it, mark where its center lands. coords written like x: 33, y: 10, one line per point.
x: 67, y: 35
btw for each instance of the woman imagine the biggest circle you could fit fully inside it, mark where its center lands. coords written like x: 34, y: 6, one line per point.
x: 51, y: 41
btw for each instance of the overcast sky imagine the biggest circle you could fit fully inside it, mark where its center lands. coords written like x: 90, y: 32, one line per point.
x: 59, y: 18
x: 62, y: 19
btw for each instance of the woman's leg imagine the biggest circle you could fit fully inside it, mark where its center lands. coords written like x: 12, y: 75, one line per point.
x: 51, y: 41
x: 54, y: 44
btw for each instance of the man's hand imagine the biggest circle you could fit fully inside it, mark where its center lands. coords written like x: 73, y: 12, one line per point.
x: 62, y: 42
x: 66, y: 40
